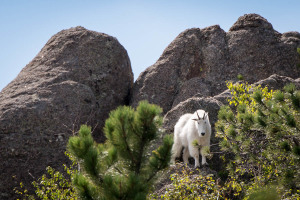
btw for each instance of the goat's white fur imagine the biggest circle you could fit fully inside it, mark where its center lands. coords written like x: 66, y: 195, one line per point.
x: 188, y: 129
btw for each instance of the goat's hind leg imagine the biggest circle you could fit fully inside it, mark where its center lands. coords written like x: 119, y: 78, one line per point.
x: 176, y: 151
x: 186, y: 155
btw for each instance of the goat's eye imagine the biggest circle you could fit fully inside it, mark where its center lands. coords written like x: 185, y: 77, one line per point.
x: 205, y: 122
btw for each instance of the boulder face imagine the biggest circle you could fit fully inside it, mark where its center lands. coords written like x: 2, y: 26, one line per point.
x: 199, y: 61
x: 77, y: 78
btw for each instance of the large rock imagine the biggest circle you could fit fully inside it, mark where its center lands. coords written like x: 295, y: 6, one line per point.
x: 257, y: 51
x: 201, y: 60
x: 77, y: 78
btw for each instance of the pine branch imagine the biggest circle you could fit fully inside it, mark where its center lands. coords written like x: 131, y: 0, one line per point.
x: 141, y: 151
x: 281, y: 117
x: 124, y: 136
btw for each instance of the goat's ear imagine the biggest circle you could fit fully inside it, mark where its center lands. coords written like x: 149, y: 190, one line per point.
x: 195, y: 119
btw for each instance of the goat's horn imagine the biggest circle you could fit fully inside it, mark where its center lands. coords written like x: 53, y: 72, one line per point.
x: 204, y: 115
x: 198, y: 115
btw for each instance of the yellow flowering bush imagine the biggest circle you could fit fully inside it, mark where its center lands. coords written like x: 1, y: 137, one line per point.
x: 189, y: 184
x: 53, y: 184
x: 260, y: 134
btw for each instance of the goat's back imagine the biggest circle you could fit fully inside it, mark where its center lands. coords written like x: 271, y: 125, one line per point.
x: 183, y: 120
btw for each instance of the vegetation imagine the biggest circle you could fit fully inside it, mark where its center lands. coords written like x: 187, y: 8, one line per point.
x: 240, y: 77
x: 259, y: 139
x: 53, y: 185
x: 261, y: 133
x: 189, y: 184
x: 121, y: 168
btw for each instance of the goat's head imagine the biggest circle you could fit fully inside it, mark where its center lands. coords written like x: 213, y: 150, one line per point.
x: 201, y: 123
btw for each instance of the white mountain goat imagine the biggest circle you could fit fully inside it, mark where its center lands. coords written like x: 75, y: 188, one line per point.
x: 191, y: 127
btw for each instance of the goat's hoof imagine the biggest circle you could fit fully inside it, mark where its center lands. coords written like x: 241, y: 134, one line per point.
x: 197, y: 166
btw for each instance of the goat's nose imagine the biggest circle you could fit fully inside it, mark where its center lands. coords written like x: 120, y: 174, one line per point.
x: 203, y: 133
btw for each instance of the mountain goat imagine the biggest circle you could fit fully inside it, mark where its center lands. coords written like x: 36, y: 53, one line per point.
x: 191, y: 127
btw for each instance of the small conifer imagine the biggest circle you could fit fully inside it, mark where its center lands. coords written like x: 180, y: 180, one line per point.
x: 122, y: 167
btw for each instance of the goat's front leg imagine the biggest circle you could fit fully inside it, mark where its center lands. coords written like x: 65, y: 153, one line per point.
x: 194, y: 152
x: 202, y: 151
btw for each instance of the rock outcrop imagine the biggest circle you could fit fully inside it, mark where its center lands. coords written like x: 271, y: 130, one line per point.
x: 201, y: 60
x: 77, y: 78
x: 81, y: 75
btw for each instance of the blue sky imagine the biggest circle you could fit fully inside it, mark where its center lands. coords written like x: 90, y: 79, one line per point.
x: 144, y: 28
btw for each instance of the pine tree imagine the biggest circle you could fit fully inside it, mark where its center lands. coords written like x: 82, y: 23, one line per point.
x: 262, y: 134
x: 122, y: 167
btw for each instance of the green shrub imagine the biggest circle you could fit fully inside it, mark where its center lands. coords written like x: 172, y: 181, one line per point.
x: 260, y: 132
x: 123, y: 167
x: 190, y: 185
x: 53, y: 185
x: 240, y: 77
